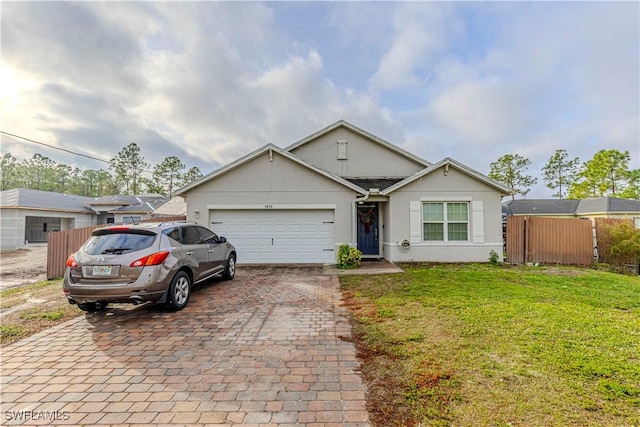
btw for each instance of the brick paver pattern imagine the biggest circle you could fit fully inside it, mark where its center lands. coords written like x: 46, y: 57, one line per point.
x: 265, y: 349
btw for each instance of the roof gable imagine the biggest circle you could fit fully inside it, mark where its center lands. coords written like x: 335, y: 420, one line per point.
x: 271, y: 149
x: 350, y: 152
x: 446, y: 164
x: 362, y: 133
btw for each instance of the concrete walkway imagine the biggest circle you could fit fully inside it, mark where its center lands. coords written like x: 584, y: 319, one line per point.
x: 266, y: 349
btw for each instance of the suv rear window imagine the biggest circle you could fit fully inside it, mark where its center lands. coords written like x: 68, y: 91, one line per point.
x: 118, y: 243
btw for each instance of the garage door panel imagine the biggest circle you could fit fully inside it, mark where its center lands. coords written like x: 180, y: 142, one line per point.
x: 278, y: 236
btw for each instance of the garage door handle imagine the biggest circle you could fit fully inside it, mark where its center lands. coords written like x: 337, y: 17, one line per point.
x: 272, y: 241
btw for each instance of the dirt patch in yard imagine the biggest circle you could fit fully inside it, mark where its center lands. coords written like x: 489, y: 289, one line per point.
x: 22, y: 266
x: 28, y: 302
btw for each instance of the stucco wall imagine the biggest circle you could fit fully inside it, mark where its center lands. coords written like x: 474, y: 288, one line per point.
x: 365, y: 158
x: 13, y: 221
x: 485, y: 234
x: 268, y: 183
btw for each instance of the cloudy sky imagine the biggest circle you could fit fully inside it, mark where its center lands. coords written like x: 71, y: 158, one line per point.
x: 211, y: 81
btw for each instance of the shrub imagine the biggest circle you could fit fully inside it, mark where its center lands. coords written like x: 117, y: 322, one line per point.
x: 624, y: 244
x: 493, y: 257
x: 348, y: 256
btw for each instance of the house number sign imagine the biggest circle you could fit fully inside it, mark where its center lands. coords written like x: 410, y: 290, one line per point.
x: 268, y: 206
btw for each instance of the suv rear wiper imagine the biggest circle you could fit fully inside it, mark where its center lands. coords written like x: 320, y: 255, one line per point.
x: 115, y: 250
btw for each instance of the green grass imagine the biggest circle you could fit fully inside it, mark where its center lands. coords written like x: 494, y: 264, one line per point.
x: 8, y: 332
x: 52, y: 315
x: 480, y: 345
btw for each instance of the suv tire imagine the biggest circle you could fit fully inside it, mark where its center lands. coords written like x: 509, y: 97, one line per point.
x: 179, y: 291
x: 230, y: 268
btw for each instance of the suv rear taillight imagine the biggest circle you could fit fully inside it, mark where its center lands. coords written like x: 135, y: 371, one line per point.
x: 153, y: 259
x: 71, y: 262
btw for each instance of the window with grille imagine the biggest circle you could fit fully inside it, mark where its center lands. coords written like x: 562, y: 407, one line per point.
x: 445, y: 221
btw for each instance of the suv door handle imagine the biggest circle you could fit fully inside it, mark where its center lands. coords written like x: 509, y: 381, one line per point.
x: 189, y: 252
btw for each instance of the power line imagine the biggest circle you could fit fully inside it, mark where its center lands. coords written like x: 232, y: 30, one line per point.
x: 62, y: 149
x: 55, y: 148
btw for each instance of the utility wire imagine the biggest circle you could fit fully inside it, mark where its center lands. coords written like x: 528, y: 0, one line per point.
x: 62, y: 149
x: 55, y: 148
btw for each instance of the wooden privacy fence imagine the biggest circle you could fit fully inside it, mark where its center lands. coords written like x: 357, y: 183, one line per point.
x: 549, y: 240
x: 60, y: 244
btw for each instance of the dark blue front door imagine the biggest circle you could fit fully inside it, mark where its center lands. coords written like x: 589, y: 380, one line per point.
x: 368, y: 242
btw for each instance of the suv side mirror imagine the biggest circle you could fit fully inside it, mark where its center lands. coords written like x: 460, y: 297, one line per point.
x: 222, y: 239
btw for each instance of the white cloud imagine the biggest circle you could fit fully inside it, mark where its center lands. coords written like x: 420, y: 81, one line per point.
x: 211, y: 81
x: 483, y: 111
x: 420, y: 31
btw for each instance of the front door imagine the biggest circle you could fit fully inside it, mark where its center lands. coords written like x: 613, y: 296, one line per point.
x: 368, y: 242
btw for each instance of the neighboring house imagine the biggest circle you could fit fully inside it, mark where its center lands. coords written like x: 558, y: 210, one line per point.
x: 345, y: 185
x: 27, y: 215
x: 601, y: 207
x: 175, y: 206
x: 125, y: 209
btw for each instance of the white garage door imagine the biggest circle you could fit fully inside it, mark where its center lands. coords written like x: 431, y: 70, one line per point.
x: 278, y: 236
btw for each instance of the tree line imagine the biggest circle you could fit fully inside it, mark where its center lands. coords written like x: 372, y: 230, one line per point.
x: 125, y: 175
x: 606, y: 174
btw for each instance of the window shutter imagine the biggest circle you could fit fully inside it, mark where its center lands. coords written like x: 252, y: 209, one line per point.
x: 415, y: 221
x: 477, y: 207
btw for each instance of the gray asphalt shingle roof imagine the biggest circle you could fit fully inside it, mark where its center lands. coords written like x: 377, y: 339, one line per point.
x: 144, y: 203
x: 46, y: 200
x: 571, y: 207
x: 379, y: 183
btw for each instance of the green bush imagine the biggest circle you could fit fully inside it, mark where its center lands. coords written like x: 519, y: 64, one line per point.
x: 348, y: 256
x: 624, y: 244
x: 493, y: 257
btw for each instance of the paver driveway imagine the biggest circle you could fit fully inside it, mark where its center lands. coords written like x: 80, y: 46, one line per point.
x: 263, y: 349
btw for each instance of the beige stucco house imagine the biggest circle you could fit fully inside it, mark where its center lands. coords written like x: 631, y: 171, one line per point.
x: 345, y: 185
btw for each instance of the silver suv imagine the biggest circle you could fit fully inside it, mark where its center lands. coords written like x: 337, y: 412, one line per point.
x: 157, y: 262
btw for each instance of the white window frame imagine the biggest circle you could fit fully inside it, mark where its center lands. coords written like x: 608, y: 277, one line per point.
x: 445, y: 220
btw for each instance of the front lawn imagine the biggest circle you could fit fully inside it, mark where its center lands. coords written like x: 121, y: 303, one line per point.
x: 474, y: 345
